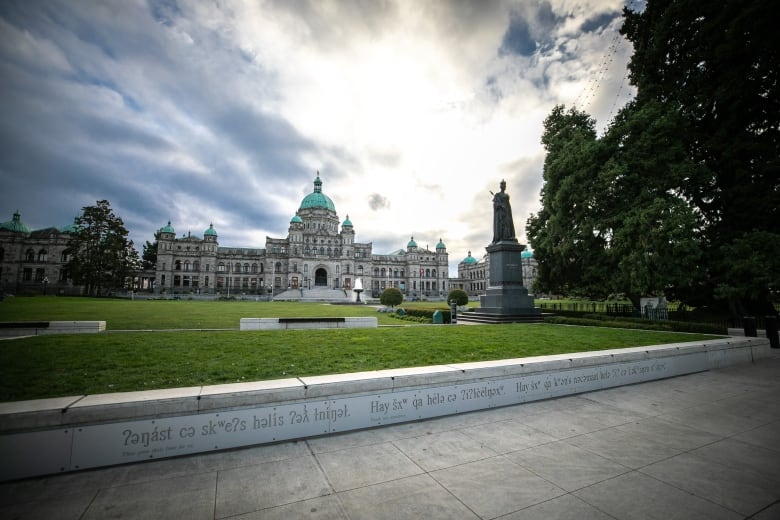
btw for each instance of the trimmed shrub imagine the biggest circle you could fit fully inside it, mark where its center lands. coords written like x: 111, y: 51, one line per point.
x: 459, y: 295
x: 391, y: 297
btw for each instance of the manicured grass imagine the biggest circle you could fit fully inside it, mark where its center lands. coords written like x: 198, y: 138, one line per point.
x: 169, y: 314
x: 50, y: 366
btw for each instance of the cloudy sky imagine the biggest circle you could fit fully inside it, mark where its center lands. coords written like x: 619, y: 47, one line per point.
x: 222, y: 112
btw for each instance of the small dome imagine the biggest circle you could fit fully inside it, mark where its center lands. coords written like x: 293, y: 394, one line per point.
x: 70, y: 228
x: 469, y: 259
x: 296, y: 219
x: 441, y: 245
x: 527, y: 254
x: 16, y: 225
x: 411, y: 243
x: 317, y: 199
x: 347, y: 222
x: 210, y: 232
x: 168, y: 229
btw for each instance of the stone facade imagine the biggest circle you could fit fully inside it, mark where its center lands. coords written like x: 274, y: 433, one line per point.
x: 34, y: 261
x: 316, y: 254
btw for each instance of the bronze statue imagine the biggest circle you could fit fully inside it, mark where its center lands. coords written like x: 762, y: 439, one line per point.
x: 503, y: 225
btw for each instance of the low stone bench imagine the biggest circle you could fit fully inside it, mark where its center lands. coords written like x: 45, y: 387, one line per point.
x: 307, y: 323
x: 10, y: 329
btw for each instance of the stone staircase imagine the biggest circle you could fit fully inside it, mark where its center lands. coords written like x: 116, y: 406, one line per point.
x: 316, y: 294
x: 483, y: 317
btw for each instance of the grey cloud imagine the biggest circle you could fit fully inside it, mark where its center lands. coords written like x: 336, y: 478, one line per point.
x: 377, y: 202
x: 599, y: 21
x: 531, y: 26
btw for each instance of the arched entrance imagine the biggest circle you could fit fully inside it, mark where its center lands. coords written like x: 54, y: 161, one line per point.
x: 321, y: 277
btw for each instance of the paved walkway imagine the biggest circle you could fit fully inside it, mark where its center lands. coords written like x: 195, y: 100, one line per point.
x: 703, y: 446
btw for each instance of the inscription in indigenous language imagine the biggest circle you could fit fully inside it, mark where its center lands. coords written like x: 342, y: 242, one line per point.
x: 115, y: 443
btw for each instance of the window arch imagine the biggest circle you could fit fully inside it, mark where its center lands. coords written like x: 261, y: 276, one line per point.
x: 30, y: 255
x: 42, y: 255
x: 177, y: 265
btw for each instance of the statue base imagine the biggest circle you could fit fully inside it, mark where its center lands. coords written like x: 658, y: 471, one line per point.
x: 505, y: 295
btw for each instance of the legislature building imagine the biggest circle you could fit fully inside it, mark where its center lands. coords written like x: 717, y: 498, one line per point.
x: 319, y: 259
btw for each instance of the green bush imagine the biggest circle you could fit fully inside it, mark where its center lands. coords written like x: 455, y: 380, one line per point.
x: 391, y: 297
x: 459, y: 295
x: 428, y: 314
x: 602, y: 320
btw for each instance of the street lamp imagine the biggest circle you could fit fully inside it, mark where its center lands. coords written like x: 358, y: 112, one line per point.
x: 45, y: 282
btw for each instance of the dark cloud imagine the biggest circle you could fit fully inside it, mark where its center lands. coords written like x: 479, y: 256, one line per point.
x: 518, y: 39
x: 377, y: 202
x: 599, y: 21
x: 531, y: 27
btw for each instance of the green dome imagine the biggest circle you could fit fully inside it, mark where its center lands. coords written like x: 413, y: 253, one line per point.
x: 16, y: 225
x: 70, y: 228
x: 210, y: 232
x: 527, y: 254
x: 346, y: 222
x: 441, y: 245
x: 317, y: 199
x: 411, y: 243
x: 167, y: 229
x: 469, y: 259
x: 296, y: 219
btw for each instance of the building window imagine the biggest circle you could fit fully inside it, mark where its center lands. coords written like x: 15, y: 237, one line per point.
x: 42, y: 255
x: 30, y: 256
x: 177, y: 265
x: 220, y: 267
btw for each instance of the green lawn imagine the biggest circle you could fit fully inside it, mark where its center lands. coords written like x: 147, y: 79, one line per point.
x: 49, y: 366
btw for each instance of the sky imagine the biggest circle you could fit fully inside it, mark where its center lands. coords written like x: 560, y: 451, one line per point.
x: 222, y: 112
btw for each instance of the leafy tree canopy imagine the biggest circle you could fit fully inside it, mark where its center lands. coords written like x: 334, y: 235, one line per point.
x: 102, y: 256
x: 685, y: 177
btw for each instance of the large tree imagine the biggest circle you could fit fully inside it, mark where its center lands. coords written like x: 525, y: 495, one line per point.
x: 686, y: 175
x: 103, y: 257
x: 613, y: 217
x: 561, y: 234
x: 149, y: 254
x: 715, y: 63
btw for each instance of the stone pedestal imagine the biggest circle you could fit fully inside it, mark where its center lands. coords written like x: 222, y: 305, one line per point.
x: 505, y: 295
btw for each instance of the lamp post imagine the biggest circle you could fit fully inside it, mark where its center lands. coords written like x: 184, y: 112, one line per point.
x: 45, y: 282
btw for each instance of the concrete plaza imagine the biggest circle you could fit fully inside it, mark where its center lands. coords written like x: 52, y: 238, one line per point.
x: 700, y: 446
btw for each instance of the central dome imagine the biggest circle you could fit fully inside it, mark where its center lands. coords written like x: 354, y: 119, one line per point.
x: 317, y: 199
